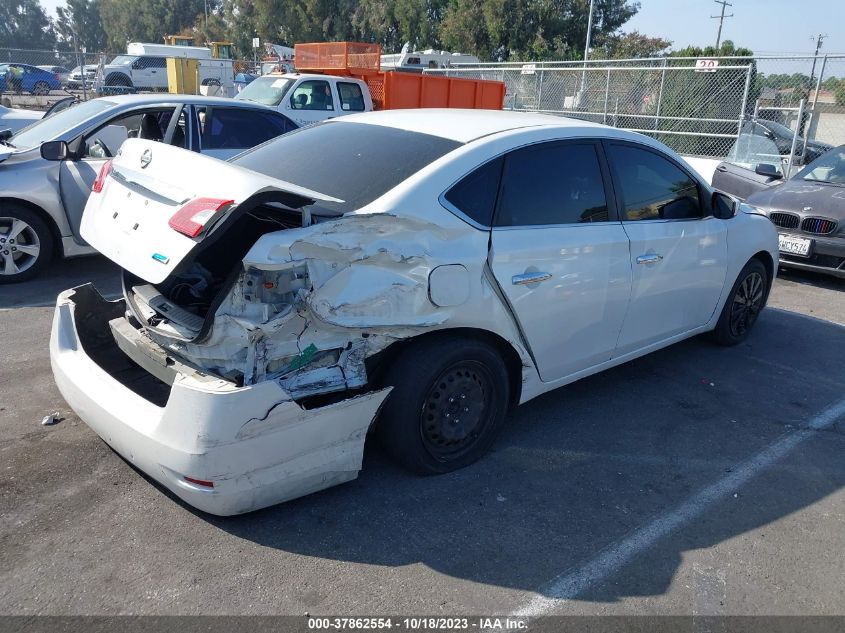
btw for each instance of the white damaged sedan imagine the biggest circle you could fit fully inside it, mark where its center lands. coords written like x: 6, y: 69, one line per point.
x: 413, y: 271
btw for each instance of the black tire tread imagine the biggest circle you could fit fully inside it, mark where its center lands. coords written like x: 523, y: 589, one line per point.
x: 410, y: 374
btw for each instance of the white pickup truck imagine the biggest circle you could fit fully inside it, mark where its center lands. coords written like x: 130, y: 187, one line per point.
x: 309, y: 98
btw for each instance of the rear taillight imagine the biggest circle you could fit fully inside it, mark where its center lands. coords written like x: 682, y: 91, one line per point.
x: 57, y: 77
x: 192, y: 218
x: 105, y: 170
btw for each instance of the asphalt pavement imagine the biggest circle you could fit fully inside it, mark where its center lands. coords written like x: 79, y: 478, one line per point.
x: 697, y: 480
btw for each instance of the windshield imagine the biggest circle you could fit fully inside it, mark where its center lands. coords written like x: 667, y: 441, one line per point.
x: 827, y: 168
x: 52, y: 127
x: 266, y: 90
x: 355, y: 162
x: 123, y: 60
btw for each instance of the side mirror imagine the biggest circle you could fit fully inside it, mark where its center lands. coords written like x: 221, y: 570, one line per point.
x: 54, y: 150
x: 6, y: 134
x: 724, y: 206
x: 766, y: 169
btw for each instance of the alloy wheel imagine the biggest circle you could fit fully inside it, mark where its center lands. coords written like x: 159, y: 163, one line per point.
x: 19, y: 246
x: 747, y: 303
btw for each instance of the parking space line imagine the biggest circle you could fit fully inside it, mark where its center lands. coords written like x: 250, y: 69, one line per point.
x: 571, y: 583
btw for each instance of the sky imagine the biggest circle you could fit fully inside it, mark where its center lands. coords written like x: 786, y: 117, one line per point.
x: 764, y: 26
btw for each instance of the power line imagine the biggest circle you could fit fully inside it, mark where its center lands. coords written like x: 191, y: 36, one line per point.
x: 721, y: 19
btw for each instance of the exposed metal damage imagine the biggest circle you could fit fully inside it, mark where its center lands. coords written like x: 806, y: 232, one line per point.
x: 312, y: 304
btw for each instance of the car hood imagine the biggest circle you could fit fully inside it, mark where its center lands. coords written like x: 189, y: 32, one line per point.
x: 797, y: 195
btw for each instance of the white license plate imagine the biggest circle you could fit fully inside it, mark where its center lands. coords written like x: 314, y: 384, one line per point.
x: 794, y: 245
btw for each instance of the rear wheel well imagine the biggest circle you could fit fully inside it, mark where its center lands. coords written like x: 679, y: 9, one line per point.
x: 766, y: 259
x: 380, y: 361
x: 48, y: 220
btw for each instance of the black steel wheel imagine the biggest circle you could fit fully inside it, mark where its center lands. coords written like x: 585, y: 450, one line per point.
x: 450, y: 397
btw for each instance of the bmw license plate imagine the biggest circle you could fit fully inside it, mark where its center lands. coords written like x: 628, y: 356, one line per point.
x: 790, y: 245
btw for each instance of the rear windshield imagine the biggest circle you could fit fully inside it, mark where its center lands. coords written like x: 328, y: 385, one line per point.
x: 355, y: 162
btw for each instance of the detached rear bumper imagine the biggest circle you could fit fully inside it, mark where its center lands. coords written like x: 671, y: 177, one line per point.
x: 255, y: 444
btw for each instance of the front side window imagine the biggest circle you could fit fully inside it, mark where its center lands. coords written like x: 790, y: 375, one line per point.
x: 312, y: 95
x: 107, y: 139
x: 552, y: 183
x: 652, y: 187
x: 351, y: 97
x: 241, y: 128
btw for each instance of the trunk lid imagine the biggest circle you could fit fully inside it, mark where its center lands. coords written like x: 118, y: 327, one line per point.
x: 128, y: 221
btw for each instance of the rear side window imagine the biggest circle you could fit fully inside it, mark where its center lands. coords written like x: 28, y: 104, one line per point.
x: 652, y: 187
x: 351, y: 97
x: 240, y: 128
x: 552, y: 183
x: 475, y: 195
x: 355, y: 162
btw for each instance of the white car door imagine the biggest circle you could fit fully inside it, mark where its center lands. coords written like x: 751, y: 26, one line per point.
x: 311, y: 101
x: 560, y: 255
x: 678, y: 250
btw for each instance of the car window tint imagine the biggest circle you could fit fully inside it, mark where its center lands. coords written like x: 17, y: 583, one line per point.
x: 241, y: 128
x: 312, y: 95
x: 355, y: 162
x: 475, y: 194
x: 552, y: 183
x: 652, y: 187
x: 351, y: 97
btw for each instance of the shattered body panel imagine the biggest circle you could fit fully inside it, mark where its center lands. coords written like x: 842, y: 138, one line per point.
x: 255, y: 443
x: 344, y: 289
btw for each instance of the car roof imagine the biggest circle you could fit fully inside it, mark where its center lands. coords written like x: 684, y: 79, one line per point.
x: 464, y: 126
x: 153, y: 99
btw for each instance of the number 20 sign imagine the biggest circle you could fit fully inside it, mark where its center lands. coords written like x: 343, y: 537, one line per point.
x: 706, y: 65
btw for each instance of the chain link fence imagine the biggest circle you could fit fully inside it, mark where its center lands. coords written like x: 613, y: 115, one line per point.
x: 36, y: 79
x: 696, y: 106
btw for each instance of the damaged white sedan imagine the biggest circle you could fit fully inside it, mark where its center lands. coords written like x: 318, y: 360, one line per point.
x: 418, y: 272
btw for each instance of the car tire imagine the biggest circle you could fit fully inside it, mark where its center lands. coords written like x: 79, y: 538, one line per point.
x: 41, y: 88
x: 746, y: 300
x: 29, y: 251
x: 435, y: 383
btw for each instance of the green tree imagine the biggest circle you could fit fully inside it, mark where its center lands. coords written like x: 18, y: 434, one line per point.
x: 635, y: 45
x: 530, y: 29
x: 146, y: 20
x: 24, y: 24
x: 82, y: 18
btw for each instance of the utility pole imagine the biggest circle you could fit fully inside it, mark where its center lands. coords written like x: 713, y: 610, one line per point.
x: 819, y: 39
x: 721, y: 19
x: 587, y: 46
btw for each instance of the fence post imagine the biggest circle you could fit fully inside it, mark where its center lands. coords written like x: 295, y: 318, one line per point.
x: 606, y: 96
x: 745, y: 101
x: 813, y: 119
x: 795, y: 139
x: 540, y: 91
x: 660, y: 95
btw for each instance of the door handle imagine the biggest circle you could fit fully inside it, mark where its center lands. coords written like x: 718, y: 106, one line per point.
x: 721, y: 168
x: 529, y: 278
x: 650, y: 258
